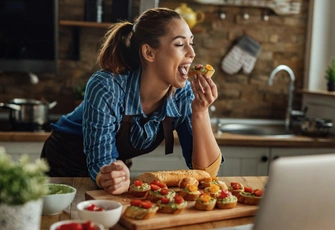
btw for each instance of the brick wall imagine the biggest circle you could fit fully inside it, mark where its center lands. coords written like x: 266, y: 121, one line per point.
x: 283, y: 40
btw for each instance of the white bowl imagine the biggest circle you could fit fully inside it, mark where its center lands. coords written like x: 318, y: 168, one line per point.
x: 60, y: 223
x: 108, y: 218
x: 60, y: 196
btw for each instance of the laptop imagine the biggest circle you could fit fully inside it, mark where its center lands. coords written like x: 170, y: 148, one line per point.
x: 299, y: 195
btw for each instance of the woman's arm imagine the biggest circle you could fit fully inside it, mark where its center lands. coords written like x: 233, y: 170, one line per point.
x: 100, y: 119
x: 206, y: 152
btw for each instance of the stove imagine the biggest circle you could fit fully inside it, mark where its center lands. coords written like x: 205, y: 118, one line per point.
x: 6, y: 126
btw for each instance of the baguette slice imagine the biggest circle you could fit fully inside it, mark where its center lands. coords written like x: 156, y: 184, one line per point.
x: 173, y: 177
x: 200, y: 69
x: 140, y: 213
x: 248, y: 199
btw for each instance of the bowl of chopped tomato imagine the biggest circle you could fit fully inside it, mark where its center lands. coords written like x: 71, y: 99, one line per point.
x: 77, y: 225
x: 105, y: 212
x: 58, y: 198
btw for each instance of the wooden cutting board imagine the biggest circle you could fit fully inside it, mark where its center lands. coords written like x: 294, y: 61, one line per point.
x: 188, y: 216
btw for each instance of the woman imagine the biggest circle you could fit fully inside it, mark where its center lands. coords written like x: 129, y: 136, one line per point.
x: 138, y: 98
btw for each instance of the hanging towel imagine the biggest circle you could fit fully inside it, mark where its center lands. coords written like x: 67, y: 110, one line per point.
x: 243, y: 55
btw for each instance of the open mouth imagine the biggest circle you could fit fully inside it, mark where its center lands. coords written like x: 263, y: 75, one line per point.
x: 183, y: 69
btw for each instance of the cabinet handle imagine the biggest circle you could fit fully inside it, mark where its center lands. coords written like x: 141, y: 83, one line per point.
x: 264, y: 159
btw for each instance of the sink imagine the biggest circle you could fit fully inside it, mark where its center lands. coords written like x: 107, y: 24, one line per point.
x: 255, y: 127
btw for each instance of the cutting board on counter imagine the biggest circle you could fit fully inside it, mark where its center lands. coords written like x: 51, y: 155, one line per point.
x: 188, y: 216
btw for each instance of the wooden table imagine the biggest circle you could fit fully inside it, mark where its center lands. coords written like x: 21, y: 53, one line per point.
x: 83, y: 184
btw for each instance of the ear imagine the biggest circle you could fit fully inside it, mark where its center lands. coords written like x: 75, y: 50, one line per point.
x: 148, y: 53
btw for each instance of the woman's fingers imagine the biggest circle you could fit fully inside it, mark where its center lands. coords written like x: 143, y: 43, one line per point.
x: 115, y: 177
x: 204, y: 88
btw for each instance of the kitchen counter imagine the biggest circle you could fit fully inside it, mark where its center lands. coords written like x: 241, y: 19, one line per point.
x: 224, y: 139
x: 84, y: 184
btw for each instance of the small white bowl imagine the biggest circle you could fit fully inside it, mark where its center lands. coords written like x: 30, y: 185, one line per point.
x: 108, y: 218
x: 60, y: 196
x: 60, y: 223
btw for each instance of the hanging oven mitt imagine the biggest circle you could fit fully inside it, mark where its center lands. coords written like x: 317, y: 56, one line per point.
x: 242, y: 55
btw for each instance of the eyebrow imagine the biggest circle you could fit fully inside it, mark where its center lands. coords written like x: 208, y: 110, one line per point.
x: 180, y: 36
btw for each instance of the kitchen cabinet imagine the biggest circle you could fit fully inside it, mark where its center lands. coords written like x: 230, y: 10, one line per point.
x: 245, y: 161
x: 16, y: 150
x: 157, y: 160
x: 239, y: 160
x: 281, y: 152
x: 250, y: 161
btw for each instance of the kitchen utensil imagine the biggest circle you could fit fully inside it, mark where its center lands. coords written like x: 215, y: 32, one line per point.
x: 316, y: 126
x: 192, y: 18
x: 28, y: 114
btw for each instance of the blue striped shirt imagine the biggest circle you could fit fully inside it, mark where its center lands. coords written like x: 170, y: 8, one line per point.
x: 108, y: 97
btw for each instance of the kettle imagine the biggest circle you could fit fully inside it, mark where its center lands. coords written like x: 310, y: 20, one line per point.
x: 192, y: 18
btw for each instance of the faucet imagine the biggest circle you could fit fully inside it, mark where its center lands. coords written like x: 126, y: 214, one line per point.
x: 288, y: 118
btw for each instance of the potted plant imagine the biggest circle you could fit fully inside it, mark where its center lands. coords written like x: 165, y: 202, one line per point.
x: 330, y: 76
x: 22, y: 186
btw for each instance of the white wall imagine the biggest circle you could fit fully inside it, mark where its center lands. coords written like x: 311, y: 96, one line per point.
x: 320, y: 43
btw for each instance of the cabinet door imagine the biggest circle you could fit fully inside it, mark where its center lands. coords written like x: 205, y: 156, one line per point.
x: 280, y: 152
x: 244, y: 161
x: 157, y: 161
x: 17, y: 149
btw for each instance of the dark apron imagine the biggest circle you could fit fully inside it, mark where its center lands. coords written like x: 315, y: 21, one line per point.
x: 65, y: 152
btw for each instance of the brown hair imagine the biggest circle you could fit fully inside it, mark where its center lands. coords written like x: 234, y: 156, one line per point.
x: 121, y: 48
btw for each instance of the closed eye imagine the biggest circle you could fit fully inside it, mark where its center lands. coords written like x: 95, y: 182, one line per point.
x: 191, y: 44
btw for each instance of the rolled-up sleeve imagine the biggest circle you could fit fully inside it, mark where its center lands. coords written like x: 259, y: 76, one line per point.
x: 100, y: 123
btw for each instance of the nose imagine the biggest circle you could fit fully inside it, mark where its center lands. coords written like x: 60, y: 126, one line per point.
x: 191, y: 53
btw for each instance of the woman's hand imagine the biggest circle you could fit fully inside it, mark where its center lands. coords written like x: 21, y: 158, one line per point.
x: 205, y: 92
x: 115, y: 178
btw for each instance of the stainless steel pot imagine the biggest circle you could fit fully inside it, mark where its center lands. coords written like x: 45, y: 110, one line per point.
x: 28, y: 114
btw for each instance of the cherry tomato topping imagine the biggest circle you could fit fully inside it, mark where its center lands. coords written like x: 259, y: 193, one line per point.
x: 135, y: 202
x: 146, y: 204
x: 162, y: 185
x: 235, y: 185
x: 258, y: 192
x: 224, y: 194
x: 155, y: 187
x: 155, y: 182
x: 138, y: 182
x: 247, y: 189
x: 178, y: 199
x: 165, y: 200
x: 164, y: 191
x: 198, y: 66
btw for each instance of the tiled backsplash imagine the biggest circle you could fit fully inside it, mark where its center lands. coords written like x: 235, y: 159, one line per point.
x: 282, y: 39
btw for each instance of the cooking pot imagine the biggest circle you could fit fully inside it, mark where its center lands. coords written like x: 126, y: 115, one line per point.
x: 28, y: 114
x: 316, y: 126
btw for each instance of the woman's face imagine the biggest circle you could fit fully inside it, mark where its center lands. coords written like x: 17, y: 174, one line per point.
x: 175, y: 55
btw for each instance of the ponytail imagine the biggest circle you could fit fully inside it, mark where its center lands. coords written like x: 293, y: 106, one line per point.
x: 117, y: 54
x: 120, y: 51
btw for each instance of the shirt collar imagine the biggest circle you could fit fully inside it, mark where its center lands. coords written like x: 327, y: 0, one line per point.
x: 133, y: 103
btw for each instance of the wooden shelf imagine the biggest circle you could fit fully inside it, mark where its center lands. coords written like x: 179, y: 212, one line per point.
x: 317, y: 92
x: 76, y: 26
x: 85, y: 24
